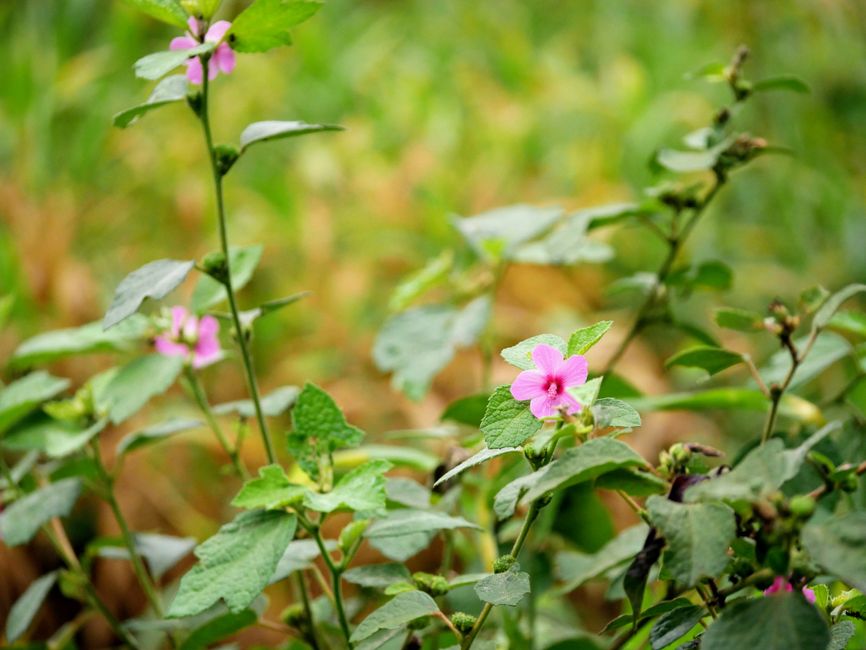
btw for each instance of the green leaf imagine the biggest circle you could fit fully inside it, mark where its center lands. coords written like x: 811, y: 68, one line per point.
x: 632, y: 481
x: 697, y: 535
x: 74, y: 341
x: 779, y: 622
x: 153, y: 280
x: 583, y: 339
x: 265, y: 24
x: 592, y: 459
x: 611, y: 413
x: 414, y: 458
x: 763, y: 471
x: 690, y: 161
x: 169, y: 90
x: 24, y: 395
x: 586, y: 394
x: 362, y: 489
x: 378, y: 576
x: 403, y: 547
x: 168, y: 11
x: 566, y: 244
x: 674, y: 625
x: 155, y: 433
x: 276, y: 130
x: 22, y: 520
x: 838, y: 545
x: 745, y: 399
x: 520, y: 355
x: 505, y: 501
x: 156, y: 65
x: 162, y: 552
x: 250, y: 316
x: 849, y: 321
x: 840, y: 634
x: 432, y: 274
x: 24, y: 610
x: 242, y: 262
x: 783, y: 82
x: 711, y: 359
x: 507, y: 588
x: 397, y: 612
x: 274, y: 404
x: 407, y: 522
x: 299, y: 556
x: 236, y: 564
x: 714, y: 72
x: 738, y: 319
x: 467, y: 410
x: 319, y: 428
x: 499, y: 232
x: 406, y: 492
x: 55, y: 438
x: 136, y: 383
x: 218, y: 628
x: 825, y: 313
x: 575, y: 568
x: 272, y: 489
x: 828, y: 348
x: 481, y: 457
x: 507, y: 422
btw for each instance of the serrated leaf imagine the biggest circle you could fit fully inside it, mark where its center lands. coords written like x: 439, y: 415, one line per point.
x: 520, y: 355
x: 481, y: 457
x: 319, y: 428
x: 156, y: 65
x: 575, y: 568
x: 738, y: 319
x: 265, y: 24
x: 86, y: 339
x: 611, y: 413
x: 377, y: 576
x: 507, y: 422
x: 242, y: 262
x: 24, y: 395
x: 236, y: 564
x: 155, y: 433
x: 397, y: 612
x: 24, y: 609
x: 782, y: 82
x: 23, y: 518
x: 697, y: 536
x: 168, y: 11
x: 168, y: 91
x: 779, y: 622
x: 583, y: 339
x: 674, y: 625
x: 154, y: 280
x: 277, y: 130
x: 711, y: 359
x: 507, y: 588
x: 584, y: 463
x: 272, y: 489
x: 409, y: 522
x: 219, y: 628
x: 274, y: 404
x: 136, y: 383
x: 838, y: 545
x: 362, y: 489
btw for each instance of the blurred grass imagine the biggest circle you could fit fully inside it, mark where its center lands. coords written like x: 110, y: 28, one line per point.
x: 450, y: 106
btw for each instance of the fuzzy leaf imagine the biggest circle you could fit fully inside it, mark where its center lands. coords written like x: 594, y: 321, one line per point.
x: 409, y: 522
x: 574, y: 568
x: 378, y: 576
x: 397, y: 612
x: 218, y: 628
x: 507, y: 588
x: 153, y: 280
x: 155, y: 433
x: 362, y: 489
x: 507, y: 422
x: 265, y: 24
x: 583, y: 339
x: 481, y: 457
x: 137, y: 382
x: 611, y: 413
x: 674, y: 624
x: 274, y: 404
x: 24, y: 395
x: 168, y: 11
x: 738, y: 319
x: 23, y: 518
x: 236, y: 564
x: 838, y: 545
x: 501, y: 231
x: 520, y: 355
x: 272, y: 489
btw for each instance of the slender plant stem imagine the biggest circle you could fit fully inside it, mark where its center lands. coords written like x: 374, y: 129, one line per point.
x: 128, y: 540
x: 203, y: 404
x: 308, y: 610
x: 336, y: 572
x: 224, y: 243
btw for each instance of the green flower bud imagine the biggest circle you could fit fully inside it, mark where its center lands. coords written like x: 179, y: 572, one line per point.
x: 463, y: 622
x: 849, y: 484
x: 802, y: 506
x: 226, y: 156
x: 294, y: 616
x: 352, y: 533
x: 503, y: 563
x: 431, y: 584
x: 216, y: 266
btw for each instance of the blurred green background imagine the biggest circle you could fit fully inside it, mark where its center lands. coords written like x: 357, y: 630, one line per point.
x: 450, y: 107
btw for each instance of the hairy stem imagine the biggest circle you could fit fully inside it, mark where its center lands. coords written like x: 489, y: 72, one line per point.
x: 224, y: 243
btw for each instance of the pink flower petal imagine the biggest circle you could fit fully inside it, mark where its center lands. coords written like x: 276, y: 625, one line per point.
x: 208, y: 327
x: 809, y: 595
x: 574, y: 371
x: 194, y: 26
x: 217, y: 31
x: 169, y: 348
x: 212, y: 71
x: 182, y: 43
x: 224, y: 58
x: 779, y: 584
x: 190, y: 328
x: 542, y: 407
x: 200, y: 360
x: 178, y: 316
x: 568, y: 401
x: 546, y: 358
x: 194, y: 71
x: 528, y: 385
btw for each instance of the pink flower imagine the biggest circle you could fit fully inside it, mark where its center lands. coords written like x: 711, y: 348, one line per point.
x: 222, y: 59
x: 191, y: 337
x: 780, y: 584
x: 546, y: 387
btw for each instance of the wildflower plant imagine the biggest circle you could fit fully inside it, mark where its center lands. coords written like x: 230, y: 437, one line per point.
x: 763, y: 548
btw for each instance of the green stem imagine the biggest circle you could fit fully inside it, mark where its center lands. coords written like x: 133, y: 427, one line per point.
x: 336, y: 572
x: 204, y: 405
x: 224, y: 243
x: 308, y: 611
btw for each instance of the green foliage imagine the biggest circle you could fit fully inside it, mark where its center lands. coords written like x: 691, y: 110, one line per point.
x: 168, y: 91
x: 136, y: 383
x: 23, y: 396
x: 155, y: 433
x: 481, y: 457
x: 520, y: 355
x: 506, y: 588
x: 583, y: 339
x: 219, y: 628
x: 507, y: 422
x: 575, y: 568
x: 236, y: 563
x: 362, y: 489
x: 265, y: 24
x: 711, y: 359
x: 153, y: 280
x: 24, y: 609
x: 242, y: 262
x: 275, y: 130
x: 271, y: 490
x: 377, y: 576
x: 838, y: 545
x: 396, y: 613
x: 23, y: 519
x: 408, y: 522
x: 672, y: 625
x: 168, y: 11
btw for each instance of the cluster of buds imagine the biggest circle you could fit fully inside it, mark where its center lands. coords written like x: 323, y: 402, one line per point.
x: 781, y: 322
x: 431, y: 583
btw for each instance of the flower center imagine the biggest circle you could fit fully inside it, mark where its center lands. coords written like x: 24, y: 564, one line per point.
x: 554, y: 387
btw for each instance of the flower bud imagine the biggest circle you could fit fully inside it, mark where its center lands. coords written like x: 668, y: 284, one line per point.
x: 802, y: 506
x: 431, y: 584
x: 463, y: 621
x: 352, y: 533
x: 226, y: 156
x: 216, y: 266
x: 503, y: 563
